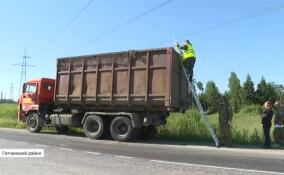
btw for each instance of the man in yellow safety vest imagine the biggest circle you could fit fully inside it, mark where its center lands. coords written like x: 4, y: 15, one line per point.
x: 189, y: 58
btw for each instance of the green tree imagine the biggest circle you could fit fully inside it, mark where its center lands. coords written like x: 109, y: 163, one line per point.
x: 212, y: 95
x: 280, y: 91
x: 235, y: 92
x: 248, y: 91
x: 261, y: 92
x: 202, y: 96
x: 199, y: 85
x: 267, y: 91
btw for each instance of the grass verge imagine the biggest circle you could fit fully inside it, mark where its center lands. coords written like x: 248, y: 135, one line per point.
x: 247, y: 128
x: 8, y: 116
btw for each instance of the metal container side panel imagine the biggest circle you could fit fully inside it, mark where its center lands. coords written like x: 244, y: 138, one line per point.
x: 123, y: 78
x: 149, y: 75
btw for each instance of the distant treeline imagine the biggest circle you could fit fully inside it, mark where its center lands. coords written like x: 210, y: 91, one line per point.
x: 7, y: 101
x: 238, y: 94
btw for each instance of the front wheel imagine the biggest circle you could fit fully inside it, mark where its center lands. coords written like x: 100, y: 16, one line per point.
x: 121, y: 129
x: 34, y: 122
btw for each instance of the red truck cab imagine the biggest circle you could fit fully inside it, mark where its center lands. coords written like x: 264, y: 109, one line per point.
x: 36, y: 95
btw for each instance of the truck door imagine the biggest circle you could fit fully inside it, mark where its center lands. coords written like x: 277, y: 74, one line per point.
x: 29, y: 95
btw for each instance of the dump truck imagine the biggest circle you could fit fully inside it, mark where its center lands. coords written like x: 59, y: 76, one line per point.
x: 124, y: 95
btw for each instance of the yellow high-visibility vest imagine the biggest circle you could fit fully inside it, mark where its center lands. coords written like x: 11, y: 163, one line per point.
x: 189, y: 52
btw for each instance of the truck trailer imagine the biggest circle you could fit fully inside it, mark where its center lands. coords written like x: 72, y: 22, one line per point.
x: 121, y: 94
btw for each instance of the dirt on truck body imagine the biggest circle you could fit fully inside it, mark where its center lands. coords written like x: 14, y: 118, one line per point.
x: 125, y: 94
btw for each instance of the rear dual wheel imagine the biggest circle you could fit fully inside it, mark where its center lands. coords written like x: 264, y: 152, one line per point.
x: 94, y: 127
x: 122, y: 130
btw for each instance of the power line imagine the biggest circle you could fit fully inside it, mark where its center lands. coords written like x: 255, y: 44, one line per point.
x: 124, y: 24
x: 232, y: 21
x: 51, y: 42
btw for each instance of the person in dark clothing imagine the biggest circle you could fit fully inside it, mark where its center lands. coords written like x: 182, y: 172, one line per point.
x: 266, y: 117
x: 278, y: 123
x: 225, y: 122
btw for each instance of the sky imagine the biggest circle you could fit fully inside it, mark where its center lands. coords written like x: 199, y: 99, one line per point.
x: 253, y: 45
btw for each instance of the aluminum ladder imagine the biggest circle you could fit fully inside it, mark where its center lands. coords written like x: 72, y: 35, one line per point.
x: 201, y: 110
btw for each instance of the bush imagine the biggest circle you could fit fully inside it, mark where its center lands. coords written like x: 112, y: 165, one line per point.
x: 189, y: 127
x: 251, y: 109
x: 186, y: 126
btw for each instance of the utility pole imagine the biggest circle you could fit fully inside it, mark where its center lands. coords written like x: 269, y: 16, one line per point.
x: 24, y: 66
x: 1, y: 95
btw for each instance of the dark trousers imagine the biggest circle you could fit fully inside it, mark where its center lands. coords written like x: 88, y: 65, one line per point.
x: 189, y: 65
x: 278, y: 135
x: 266, y: 132
x: 226, y: 134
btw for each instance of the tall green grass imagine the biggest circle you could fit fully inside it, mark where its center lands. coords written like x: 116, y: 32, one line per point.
x: 246, y: 129
x: 185, y: 126
x: 8, y: 116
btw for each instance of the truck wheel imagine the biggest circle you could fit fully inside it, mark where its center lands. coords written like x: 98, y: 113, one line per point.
x: 62, y: 129
x: 121, y: 129
x: 93, y: 127
x: 34, y: 122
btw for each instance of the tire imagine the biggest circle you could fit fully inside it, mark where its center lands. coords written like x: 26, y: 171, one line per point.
x: 62, y: 129
x: 148, y: 132
x: 34, y: 122
x: 94, y: 127
x: 121, y: 129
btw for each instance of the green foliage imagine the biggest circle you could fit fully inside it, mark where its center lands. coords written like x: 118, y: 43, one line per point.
x: 267, y: 91
x: 184, y: 127
x: 199, y: 85
x: 251, y: 109
x: 235, y: 92
x: 247, y: 128
x: 248, y: 91
x: 212, y: 95
x: 8, y: 116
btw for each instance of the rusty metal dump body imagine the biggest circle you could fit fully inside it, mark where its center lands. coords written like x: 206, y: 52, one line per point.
x: 136, y: 80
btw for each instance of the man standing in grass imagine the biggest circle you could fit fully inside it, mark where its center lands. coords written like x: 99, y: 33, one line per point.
x: 225, y: 121
x: 266, y: 117
x: 278, y: 123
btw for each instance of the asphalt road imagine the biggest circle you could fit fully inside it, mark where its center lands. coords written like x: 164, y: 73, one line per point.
x: 80, y: 155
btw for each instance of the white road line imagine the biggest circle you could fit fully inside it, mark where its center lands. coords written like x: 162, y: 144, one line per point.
x: 216, y: 167
x: 123, y: 157
x: 66, y: 149
x: 41, y: 145
x: 21, y: 142
x: 63, y: 145
x: 94, y: 153
x: 4, y: 140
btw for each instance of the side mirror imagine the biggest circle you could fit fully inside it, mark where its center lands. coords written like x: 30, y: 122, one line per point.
x: 24, y: 87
